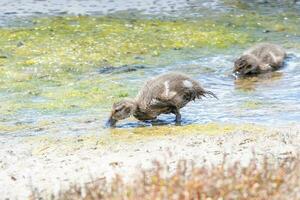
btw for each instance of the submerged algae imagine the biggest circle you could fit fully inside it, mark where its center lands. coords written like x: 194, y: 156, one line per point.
x: 251, y: 104
x: 47, y: 60
x: 52, y: 66
x: 207, y: 129
x: 114, y: 136
x: 56, y: 52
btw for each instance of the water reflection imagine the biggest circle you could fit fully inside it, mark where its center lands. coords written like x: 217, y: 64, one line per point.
x: 251, y: 83
x: 162, y: 120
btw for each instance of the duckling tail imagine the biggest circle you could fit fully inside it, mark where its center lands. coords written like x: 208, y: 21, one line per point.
x: 209, y: 93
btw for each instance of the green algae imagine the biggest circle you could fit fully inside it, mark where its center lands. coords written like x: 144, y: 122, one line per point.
x: 250, y: 84
x: 47, y: 59
x: 75, y: 44
x: 252, y: 21
x: 52, y: 65
x: 114, y: 137
x: 161, y: 131
x: 252, y: 104
x: 11, y: 128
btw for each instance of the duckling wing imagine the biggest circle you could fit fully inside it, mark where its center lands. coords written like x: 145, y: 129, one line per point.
x: 170, y: 90
x: 273, y: 57
x: 269, y: 54
x: 161, y: 104
x: 179, y: 91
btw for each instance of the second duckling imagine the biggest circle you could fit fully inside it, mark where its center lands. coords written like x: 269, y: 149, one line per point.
x: 263, y: 57
x: 164, y: 94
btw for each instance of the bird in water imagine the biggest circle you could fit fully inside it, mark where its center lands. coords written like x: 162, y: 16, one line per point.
x: 261, y: 58
x: 164, y: 94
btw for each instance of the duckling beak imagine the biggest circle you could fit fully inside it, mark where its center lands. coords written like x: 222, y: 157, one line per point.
x: 111, y: 122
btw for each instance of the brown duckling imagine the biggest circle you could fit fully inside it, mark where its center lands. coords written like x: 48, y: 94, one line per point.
x: 263, y: 57
x: 163, y: 94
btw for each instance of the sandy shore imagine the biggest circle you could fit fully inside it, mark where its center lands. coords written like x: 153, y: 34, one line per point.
x: 52, y: 165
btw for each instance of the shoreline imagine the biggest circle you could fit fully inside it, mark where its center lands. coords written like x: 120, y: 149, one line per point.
x: 55, y: 167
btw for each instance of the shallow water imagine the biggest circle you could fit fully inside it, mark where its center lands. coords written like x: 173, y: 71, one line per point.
x: 16, y: 10
x: 271, y: 99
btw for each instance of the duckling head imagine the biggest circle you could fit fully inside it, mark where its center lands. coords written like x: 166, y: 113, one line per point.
x: 245, y: 65
x: 121, y: 110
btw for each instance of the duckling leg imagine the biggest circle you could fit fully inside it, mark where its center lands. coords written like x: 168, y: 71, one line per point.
x: 178, y: 116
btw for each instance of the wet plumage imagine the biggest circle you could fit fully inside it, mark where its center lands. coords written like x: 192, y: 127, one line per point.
x: 263, y: 57
x: 164, y: 94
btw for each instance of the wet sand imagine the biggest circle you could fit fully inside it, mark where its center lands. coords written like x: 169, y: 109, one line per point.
x: 50, y: 165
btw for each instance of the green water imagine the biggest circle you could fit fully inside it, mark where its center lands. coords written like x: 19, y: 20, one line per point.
x: 51, y: 80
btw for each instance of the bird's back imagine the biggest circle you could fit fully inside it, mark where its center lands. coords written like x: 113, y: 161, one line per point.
x: 267, y: 53
x: 171, y: 89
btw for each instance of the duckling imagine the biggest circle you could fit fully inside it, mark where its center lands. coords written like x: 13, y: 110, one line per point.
x: 164, y: 94
x: 261, y: 58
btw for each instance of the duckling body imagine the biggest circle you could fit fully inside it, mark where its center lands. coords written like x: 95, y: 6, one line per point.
x: 165, y: 94
x: 263, y: 57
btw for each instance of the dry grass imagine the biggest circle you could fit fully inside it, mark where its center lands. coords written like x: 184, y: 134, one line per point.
x: 256, y: 181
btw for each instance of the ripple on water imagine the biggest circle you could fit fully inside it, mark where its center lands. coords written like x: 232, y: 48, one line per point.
x: 266, y: 99
x: 9, y: 10
x: 271, y: 99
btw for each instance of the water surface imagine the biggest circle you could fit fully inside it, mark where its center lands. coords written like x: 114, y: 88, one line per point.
x: 271, y: 99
